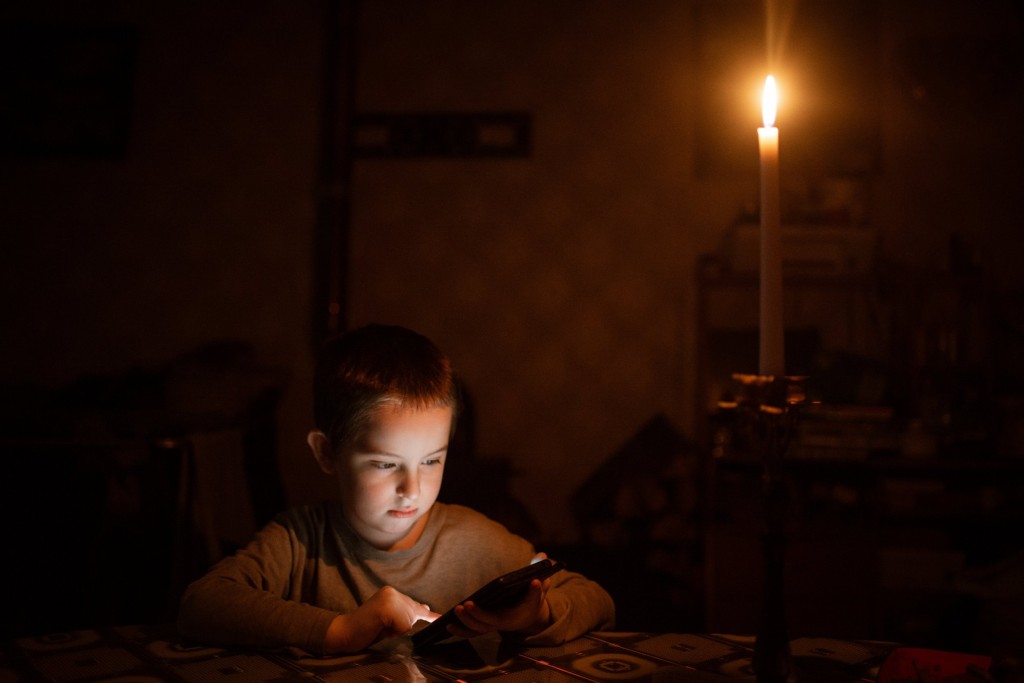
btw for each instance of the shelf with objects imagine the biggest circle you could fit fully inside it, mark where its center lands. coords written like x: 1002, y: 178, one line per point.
x: 905, y: 482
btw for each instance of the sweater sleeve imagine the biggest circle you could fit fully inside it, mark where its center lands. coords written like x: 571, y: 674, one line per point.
x: 578, y: 605
x: 253, y: 598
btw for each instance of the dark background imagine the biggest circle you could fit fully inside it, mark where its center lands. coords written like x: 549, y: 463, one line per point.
x: 179, y: 210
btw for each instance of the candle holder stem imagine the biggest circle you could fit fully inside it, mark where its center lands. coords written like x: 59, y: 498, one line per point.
x: 771, y: 651
x: 767, y: 415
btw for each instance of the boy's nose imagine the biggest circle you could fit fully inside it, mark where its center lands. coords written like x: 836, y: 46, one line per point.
x: 410, y: 486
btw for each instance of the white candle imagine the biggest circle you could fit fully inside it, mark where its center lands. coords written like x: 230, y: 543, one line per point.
x: 772, y: 352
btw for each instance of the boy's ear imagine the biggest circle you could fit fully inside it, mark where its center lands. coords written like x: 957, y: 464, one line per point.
x: 321, y: 448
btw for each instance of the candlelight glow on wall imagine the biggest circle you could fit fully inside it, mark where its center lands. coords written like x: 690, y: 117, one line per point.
x: 771, y: 351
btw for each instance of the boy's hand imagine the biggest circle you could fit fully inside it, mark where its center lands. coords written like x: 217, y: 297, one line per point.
x: 532, y: 614
x: 387, y: 613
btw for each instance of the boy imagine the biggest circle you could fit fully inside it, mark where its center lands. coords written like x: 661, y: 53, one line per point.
x: 339, y: 576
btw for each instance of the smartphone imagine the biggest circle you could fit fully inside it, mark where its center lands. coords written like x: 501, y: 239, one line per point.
x: 500, y: 593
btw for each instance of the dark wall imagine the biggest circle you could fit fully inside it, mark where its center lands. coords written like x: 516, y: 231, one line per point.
x: 560, y: 281
x: 121, y: 259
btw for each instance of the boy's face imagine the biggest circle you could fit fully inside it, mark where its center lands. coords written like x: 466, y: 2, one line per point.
x: 391, y: 476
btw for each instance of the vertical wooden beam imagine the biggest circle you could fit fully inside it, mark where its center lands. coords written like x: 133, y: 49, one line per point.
x: 331, y: 255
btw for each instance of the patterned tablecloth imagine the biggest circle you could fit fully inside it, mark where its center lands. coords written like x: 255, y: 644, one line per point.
x: 142, y: 654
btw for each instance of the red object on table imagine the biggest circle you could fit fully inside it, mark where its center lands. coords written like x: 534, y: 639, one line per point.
x: 923, y: 665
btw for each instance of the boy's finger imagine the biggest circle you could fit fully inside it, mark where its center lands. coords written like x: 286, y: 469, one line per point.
x: 471, y: 616
x: 424, y: 612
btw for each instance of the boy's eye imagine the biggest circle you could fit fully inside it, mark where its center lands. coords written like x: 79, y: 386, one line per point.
x: 382, y: 465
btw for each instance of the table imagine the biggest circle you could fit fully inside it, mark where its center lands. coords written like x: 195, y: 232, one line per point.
x: 148, y: 654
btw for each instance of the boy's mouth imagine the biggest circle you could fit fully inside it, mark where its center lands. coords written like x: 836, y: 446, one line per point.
x: 403, y: 512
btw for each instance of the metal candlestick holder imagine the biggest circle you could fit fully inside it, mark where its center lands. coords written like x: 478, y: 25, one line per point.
x: 765, y: 417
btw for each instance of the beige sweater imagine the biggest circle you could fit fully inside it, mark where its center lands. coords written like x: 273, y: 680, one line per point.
x: 307, y: 565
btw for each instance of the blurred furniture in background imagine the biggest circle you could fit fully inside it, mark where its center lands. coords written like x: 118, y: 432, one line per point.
x: 904, y: 549
x: 639, y: 518
x: 905, y: 475
x: 214, y: 492
x: 118, y: 491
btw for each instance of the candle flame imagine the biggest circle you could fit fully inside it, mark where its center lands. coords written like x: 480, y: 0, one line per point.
x: 769, y: 102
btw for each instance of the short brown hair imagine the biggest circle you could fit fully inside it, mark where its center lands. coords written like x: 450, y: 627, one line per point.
x: 371, y: 366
